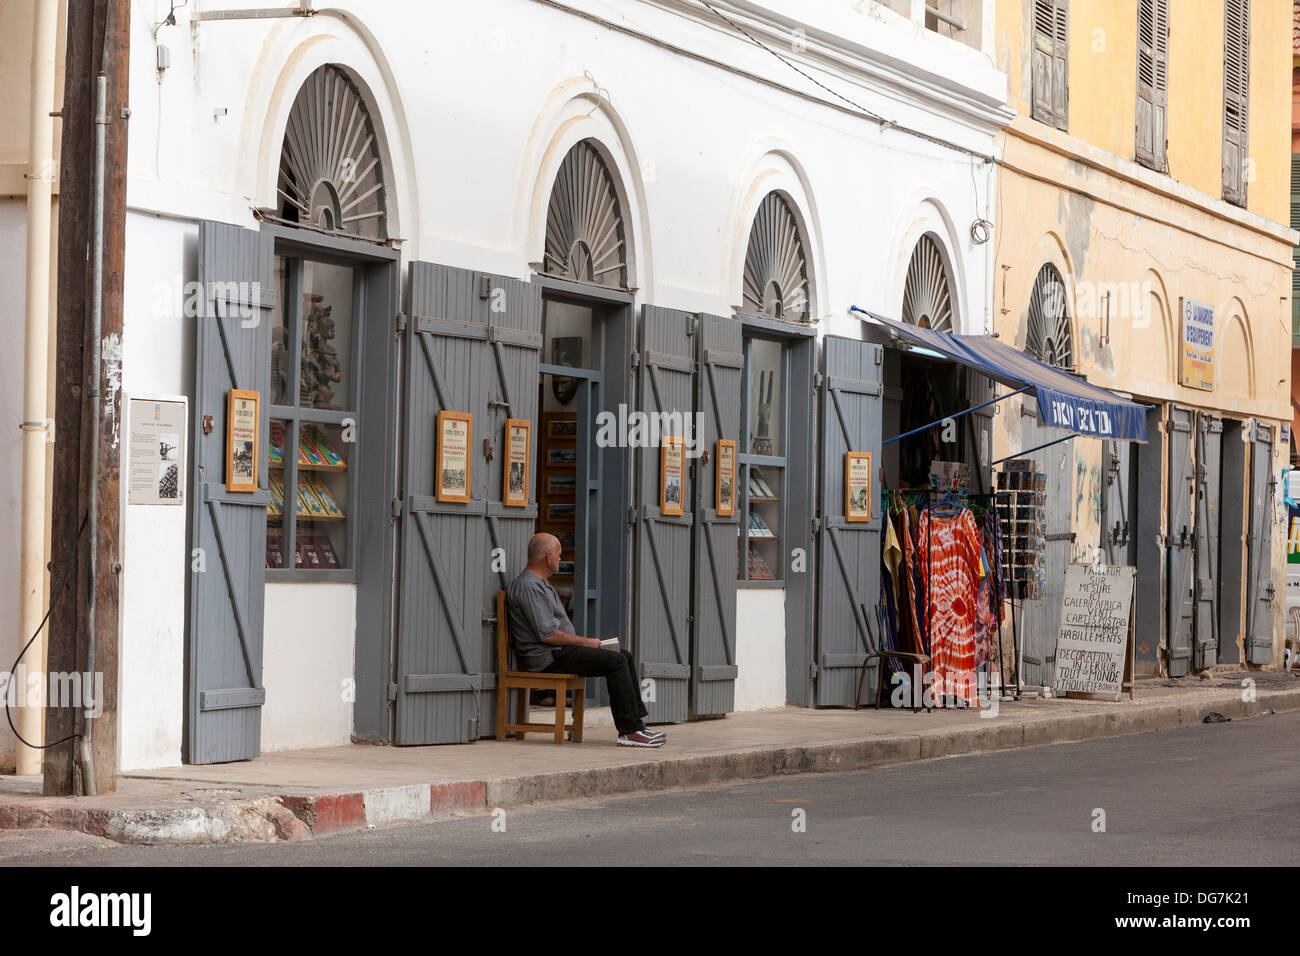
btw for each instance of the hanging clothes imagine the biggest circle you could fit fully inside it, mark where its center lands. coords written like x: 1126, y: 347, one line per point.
x: 914, y: 584
x: 948, y: 549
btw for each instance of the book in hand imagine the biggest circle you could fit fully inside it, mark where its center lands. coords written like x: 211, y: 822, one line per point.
x: 609, y: 644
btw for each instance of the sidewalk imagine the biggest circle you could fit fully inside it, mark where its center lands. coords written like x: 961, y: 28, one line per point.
x: 293, y: 795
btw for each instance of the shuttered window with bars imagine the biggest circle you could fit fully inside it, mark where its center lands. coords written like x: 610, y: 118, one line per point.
x: 1153, y: 84
x: 1051, y: 63
x: 1236, y: 98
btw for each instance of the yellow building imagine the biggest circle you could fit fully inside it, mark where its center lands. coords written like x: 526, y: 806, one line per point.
x: 1143, y: 244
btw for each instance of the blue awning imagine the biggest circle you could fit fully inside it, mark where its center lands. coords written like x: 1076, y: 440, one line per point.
x: 1064, y: 401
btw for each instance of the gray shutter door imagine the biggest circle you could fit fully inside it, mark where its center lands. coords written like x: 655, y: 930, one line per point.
x: 848, y: 554
x: 713, y: 628
x: 1180, y: 535
x: 662, y: 616
x: 228, y: 575
x: 1205, y: 626
x: 1259, y: 549
x: 1233, y: 525
x: 1040, y: 620
x: 1117, y: 518
x: 472, y: 342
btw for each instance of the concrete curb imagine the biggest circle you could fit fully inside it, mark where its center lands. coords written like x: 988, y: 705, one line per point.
x: 293, y: 817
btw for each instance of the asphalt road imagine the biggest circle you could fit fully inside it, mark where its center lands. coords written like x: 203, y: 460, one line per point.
x: 1216, y: 794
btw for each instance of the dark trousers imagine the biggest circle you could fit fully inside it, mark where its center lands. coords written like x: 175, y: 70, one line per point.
x: 620, y: 676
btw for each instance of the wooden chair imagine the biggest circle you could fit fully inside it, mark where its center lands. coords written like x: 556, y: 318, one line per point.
x: 521, y: 682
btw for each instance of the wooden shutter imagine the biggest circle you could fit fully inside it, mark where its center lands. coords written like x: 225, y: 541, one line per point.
x: 713, y: 626
x: 1295, y: 252
x: 232, y: 350
x: 1259, y: 548
x: 1205, y: 622
x: 666, y: 372
x: 1050, y: 62
x: 848, y: 553
x: 1180, y: 536
x: 1153, y: 83
x: 463, y: 355
x: 1236, y: 98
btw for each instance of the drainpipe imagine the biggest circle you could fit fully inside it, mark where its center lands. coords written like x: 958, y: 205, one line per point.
x: 40, y: 191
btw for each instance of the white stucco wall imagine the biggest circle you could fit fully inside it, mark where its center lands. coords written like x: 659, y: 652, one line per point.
x: 307, y: 660
x: 476, y: 105
x: 13, y: 262
x: 760, y: 648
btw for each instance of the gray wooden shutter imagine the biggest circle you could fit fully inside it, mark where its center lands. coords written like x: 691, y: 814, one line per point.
x: 1205, y: 627
x: 1236, y: 98
x: 713, y: 628
x: 1152, y: 82
x: 472, y: 343
x: 1118, y: 531
x: 1180, y: 536
x: 662, y: 619
x: 224, y: 699
x: 1259, y: 549
x: 1050, y: 63
x: 1040, y: 619
x: 848, y: 554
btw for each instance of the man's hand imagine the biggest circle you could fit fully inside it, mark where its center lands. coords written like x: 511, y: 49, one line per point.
x: 592, y: 642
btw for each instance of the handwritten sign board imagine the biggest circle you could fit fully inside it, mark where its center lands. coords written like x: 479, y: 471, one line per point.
x: 1096, y: 630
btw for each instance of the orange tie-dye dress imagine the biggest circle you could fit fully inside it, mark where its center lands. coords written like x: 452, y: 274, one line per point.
x: 948, y: 550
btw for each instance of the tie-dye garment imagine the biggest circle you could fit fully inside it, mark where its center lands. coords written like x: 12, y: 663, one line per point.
x: 948, y: 551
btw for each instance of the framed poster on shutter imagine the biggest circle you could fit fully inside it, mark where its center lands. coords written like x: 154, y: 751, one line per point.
x: 243, y: 414
x: 672, y: 458
x: 519, y: 433
x: 724, y: 493
x: 857, y: 486
x: 451, y: 470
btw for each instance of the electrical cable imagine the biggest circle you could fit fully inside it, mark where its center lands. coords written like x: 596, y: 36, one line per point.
x: 63, y: 585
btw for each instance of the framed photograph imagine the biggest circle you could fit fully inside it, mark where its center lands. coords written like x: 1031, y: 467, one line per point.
x: 451, y: 469
x: 561, y: 484
x: 243, y: 417
x: 857, y: 486
x: 519, y: 433
x: 155, y: 449
x: 724, y: 493
x: 562, y: 428
x: 562, y: 456
x: 672, y: 460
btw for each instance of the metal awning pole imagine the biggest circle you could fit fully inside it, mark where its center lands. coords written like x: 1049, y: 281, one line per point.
x: 965, y: 411
x: 1027, y: 451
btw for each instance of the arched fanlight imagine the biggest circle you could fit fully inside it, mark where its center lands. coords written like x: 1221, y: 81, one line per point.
x: 927, y: 295
x: 585, y: 237
x: 1048, y: 336
x: 776, y: 268
x: 331, y: 176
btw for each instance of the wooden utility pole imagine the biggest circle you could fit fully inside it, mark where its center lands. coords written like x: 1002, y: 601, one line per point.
x: 98, y: 34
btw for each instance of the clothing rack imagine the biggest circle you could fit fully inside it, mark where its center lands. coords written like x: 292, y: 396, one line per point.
x: 978, y: 502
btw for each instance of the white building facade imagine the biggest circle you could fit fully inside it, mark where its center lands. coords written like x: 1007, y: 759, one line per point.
x: 695, y: 115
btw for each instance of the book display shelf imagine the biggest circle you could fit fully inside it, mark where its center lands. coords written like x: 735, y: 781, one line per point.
x: 320, y: 522
x: 557, y: 484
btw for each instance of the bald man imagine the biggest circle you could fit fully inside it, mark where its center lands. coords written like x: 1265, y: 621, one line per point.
x: 543, y: 639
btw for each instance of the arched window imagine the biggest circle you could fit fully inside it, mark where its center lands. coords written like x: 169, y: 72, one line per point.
x: 331, y: 176
x: 585, y: 235
x: 927, y: 295
x: 776, y: 268
x: 1048, y: 336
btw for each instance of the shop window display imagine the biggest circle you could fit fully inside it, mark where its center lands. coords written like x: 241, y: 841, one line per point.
x: 762, y: 461
x: 308, y: 525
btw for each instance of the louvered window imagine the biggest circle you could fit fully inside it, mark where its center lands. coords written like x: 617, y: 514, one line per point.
x: 1153, y: 83
x: 1295, y: 253
x: 1051, y: 62
x: 1236, y: 98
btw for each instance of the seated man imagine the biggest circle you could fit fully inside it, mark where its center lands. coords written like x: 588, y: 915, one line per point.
x: 543, y: 639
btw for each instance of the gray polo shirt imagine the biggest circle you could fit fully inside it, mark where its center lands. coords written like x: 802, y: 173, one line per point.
x: 535, y: 612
